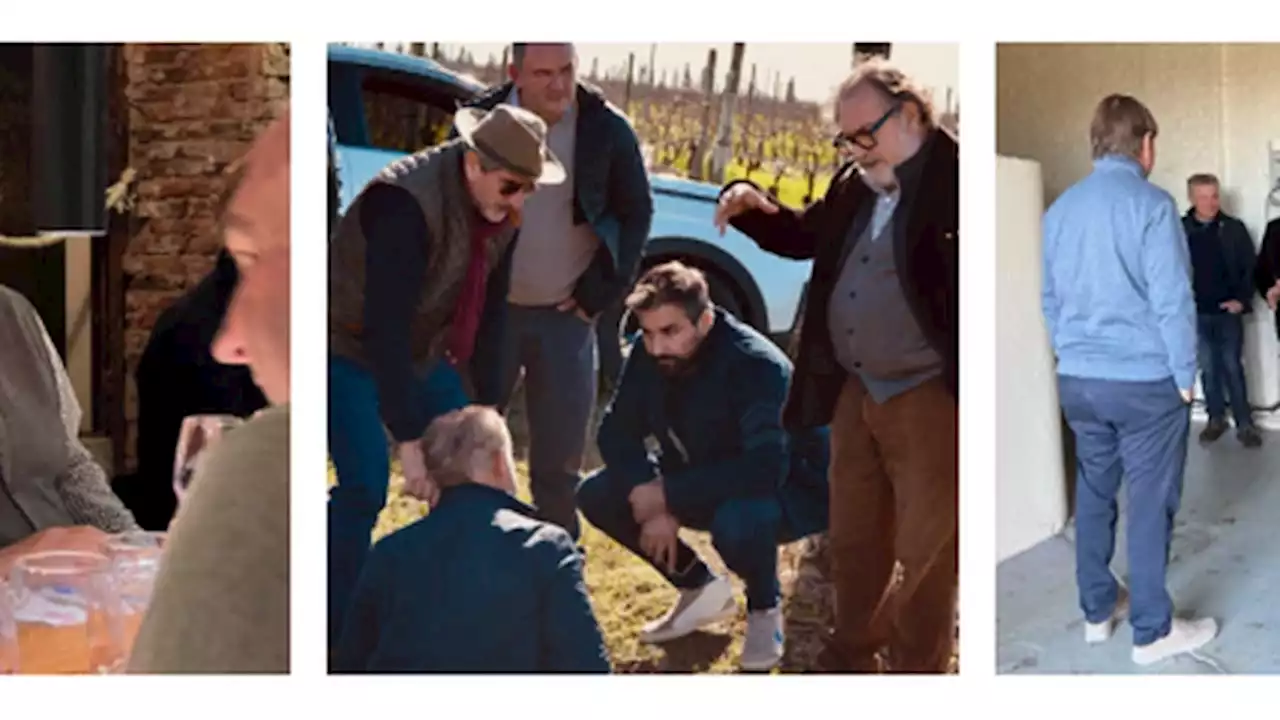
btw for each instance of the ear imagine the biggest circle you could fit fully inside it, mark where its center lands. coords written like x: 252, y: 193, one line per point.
x: 513, y: 73
x: 504, y: 471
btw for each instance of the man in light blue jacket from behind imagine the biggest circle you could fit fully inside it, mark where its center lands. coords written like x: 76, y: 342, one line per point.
x: 1122, y: 319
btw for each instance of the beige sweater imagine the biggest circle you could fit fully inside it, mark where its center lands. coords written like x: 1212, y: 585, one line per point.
x: 221, y: 603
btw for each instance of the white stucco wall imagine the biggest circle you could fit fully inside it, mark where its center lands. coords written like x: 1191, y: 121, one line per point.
x: 1218, y: 110
x: 1031, y: 497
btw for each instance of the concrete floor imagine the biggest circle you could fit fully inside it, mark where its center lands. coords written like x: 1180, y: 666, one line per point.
x: 1225, y: 563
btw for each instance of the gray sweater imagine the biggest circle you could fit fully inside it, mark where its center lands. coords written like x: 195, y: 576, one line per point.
x: 48, y: 478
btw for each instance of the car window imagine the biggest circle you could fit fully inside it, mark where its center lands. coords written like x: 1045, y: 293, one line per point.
x: 405, y: 115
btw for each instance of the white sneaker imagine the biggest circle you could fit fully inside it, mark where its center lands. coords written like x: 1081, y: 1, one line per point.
x: 763, y: 648
x: 695, y: 609
x: 1184, y: 636
x: 1095, y: 633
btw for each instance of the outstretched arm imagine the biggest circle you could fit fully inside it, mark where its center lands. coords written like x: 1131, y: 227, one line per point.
x: 786, y: 232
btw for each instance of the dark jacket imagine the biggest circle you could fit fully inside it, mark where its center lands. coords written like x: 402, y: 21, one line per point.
x: 477, y: 586
x: 176, y: 377
x: 718, y: 430
x: 610, y: 191
x: 1267, y: 269
x: 1238, y: 255
x: 926, y: 255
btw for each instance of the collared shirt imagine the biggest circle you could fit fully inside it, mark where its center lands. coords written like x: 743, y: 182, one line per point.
x: 551, y: 252
x: 873, y: 330
x: 1116, y: 291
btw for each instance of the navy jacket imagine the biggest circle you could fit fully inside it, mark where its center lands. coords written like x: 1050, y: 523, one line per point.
x: 477, y: 586
x: 1267, y: 270
x: 1238, y: 255
x: 717, y: 430
x: 610, y: 191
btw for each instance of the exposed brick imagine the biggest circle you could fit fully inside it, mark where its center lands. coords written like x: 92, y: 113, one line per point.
x: 193, y: 110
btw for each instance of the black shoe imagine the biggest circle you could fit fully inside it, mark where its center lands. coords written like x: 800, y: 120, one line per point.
x: 1214, y: 430
x: 1249, y: 437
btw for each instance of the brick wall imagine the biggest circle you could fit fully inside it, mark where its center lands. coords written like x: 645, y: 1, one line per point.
x: 193, y: 109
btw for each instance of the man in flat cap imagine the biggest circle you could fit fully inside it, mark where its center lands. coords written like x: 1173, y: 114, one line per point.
x: 418, y: 277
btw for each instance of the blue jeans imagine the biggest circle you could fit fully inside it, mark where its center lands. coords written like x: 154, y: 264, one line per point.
x: 745, y: 532
x: 358, y: 446
x: 557, y: 351
x: 1221, y: 343
x: 1136, y: 431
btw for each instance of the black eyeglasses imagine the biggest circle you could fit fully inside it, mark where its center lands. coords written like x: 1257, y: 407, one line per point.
x: 866, y: 137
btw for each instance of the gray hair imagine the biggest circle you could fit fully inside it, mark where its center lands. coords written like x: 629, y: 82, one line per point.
x: 1202, y: 179
x: 460, y: 445
x: 891, y: 83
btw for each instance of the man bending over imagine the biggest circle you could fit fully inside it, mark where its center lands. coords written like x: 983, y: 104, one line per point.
x: 477, y: 586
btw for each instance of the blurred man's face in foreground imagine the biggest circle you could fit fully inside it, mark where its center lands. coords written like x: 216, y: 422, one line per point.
x: 255, y: 329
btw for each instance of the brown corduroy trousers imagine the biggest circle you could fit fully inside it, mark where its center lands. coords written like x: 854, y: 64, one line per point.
x: 894, y: 496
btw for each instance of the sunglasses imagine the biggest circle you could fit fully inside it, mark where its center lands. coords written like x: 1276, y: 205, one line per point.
x: 865, y: 138
x: 511, y: 187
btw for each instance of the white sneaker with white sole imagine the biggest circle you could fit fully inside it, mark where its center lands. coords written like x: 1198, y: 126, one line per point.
x: 1184, y: 636
x: 1095, y: 633
x: 763, y: 648
x: 694, y: 610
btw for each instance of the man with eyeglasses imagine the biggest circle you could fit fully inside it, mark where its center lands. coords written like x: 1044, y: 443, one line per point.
x: 877, y: 361
x: 418, y: 277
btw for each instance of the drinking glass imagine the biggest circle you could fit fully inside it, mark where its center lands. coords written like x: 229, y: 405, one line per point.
x: 135, y: 561
x: 66, y: 613
x: 197, y: 434
x: 8, y: 632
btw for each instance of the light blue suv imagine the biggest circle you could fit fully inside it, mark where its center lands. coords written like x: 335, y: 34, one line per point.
x: 383, y: 105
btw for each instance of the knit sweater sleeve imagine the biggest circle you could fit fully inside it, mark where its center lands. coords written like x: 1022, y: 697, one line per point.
x: 83, y: 485
x: 396, y: 267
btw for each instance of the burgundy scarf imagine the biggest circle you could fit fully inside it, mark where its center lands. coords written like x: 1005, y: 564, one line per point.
x: 470, y: 305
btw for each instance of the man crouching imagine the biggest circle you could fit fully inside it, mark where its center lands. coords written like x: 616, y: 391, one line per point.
x: 707, y: 391
x: 478, y: 585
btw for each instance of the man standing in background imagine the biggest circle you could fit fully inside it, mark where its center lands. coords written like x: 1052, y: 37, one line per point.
x: 1122, y: 320
x: 576, y: 255
x: 1222, y: 261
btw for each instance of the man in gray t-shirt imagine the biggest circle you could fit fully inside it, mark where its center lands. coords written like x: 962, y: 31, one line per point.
x: 575, y: 257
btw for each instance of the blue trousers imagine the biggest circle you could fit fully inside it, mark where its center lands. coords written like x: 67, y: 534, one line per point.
x: 1135, y: 431
x: 746, y: 532
x: 1221, y: 343
x: 358, y: 445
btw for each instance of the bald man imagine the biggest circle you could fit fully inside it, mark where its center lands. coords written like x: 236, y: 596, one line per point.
x: 221, y: 603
